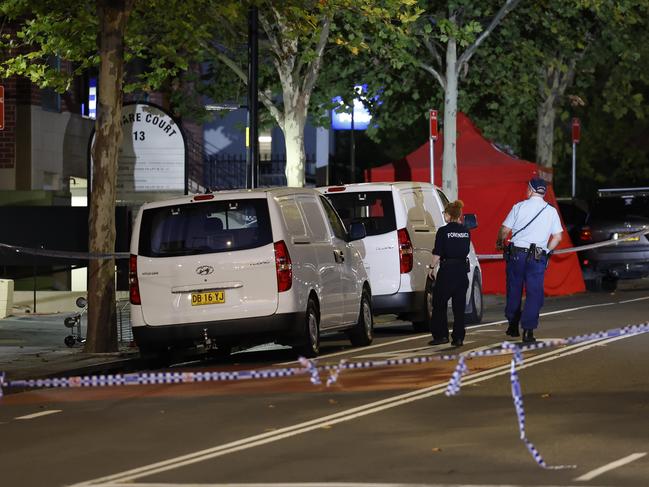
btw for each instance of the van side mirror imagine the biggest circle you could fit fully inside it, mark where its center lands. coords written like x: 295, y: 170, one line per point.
x: 357, y: 231
x: 470, y: 221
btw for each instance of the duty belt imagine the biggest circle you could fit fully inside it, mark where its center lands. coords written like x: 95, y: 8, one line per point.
x: 454, y: 259
x: 525, y: 250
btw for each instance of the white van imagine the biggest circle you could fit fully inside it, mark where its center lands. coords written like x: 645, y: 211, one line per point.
x: 401, y: 220
x: 243, y: 267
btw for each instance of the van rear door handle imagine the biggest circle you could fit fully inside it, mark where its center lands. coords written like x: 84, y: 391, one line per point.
x: 339, y: 256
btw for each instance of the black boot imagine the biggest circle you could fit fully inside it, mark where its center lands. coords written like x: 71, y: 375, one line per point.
x: 528, y: 336
x: 512, y: 330
x: 438, y: 341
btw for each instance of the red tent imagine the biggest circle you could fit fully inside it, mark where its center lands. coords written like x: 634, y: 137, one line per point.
x: 490, y: 182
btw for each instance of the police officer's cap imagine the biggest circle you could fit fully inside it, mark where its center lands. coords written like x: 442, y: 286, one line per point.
x: 538, y: 185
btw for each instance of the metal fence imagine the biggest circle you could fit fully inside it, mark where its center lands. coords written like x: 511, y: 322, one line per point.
x: 124, y: 328
x: 228, y: 171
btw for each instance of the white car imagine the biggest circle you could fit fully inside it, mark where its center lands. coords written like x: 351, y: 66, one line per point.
x: 401, y: 220
x: 242, y: 267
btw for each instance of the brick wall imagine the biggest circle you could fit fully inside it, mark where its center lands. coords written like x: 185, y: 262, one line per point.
x: 8, y: 135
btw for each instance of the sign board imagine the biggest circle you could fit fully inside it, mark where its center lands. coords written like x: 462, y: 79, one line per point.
x: 2, y: 107
x: 433, y: 124
x: 152, y: 157
x: 576, y: 128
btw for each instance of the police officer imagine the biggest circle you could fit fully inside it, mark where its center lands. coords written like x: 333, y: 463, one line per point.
x: 451, y: 250
x: 532, y: 222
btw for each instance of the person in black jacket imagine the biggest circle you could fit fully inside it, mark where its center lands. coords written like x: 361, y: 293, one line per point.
x: 451, y: 251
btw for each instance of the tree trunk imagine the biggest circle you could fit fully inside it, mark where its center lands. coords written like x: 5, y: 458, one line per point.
x: 102, y: 329
x: 449, y: 164
x: 546, y: 113
x: 294, y: 142
x: 554, y: 83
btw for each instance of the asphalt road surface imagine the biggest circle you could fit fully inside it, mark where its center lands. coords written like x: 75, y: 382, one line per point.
x: 586, y: 408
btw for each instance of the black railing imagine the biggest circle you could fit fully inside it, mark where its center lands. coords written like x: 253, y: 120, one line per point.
x: 228, y: 171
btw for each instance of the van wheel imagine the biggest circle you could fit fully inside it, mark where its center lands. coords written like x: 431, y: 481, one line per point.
x: 362, y: 333
x: 475, y: 301
x: 424, y: 325
x: 310, y: 346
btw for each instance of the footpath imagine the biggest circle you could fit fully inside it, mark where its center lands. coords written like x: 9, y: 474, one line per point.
x: 32, y: 346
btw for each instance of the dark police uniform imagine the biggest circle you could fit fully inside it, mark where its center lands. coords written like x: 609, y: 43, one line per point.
x: 452, y: 244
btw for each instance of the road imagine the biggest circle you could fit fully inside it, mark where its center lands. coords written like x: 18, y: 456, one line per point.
x: 586, y: 405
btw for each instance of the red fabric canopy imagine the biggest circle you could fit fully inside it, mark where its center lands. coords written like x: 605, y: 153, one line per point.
x: 490, y: 182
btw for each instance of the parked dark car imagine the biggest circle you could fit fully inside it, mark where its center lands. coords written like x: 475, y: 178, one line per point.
x: 613, y: 215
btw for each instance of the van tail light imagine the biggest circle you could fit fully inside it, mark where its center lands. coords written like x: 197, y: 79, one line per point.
x: 133, y: 284
x: 585, y: 235
x: 283, y: 266
x: 405, y: 251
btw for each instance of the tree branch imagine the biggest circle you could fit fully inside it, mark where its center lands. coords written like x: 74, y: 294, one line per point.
x: 314, y: 65
x: 433, y: 51
x: 429, y: 69
x: 508, y: 6
x: 264, y: 96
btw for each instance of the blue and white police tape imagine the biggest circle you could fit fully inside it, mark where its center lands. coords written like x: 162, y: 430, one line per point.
x: 517, y: 395
x: 455, y: 382
x: 580, y: 248
x: 147, y: 378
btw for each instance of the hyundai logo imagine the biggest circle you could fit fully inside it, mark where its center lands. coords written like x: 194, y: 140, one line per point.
x: 204, y: 270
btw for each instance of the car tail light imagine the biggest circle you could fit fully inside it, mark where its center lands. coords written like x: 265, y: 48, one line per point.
x: 586, y: 262
x: 203, y: 197
x: 133, y: 284
x: 283, y: 266
x: 405, y: 251
x: 585, y: 235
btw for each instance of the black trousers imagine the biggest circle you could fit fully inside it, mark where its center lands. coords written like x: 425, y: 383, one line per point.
x: 451, y: 283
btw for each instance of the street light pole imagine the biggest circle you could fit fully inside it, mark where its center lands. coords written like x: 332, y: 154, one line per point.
x: 253, y: 98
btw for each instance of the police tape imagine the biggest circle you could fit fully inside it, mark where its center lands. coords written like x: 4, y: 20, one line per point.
x: 580, y: 248
x: 455, y: 383
x: 310, y: 367
x: 307, y: 366
x: 63, y: 254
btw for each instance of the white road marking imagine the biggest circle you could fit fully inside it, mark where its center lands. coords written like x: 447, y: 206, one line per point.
x: 473, y: 327
x: 412, y: 352
x: 610, y: 466
x: 330, y: 420
x: 39, y: 414
x: 312, y: 484
x: 634, y: 300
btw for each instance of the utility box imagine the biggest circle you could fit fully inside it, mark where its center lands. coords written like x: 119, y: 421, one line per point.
x: 6, y: 297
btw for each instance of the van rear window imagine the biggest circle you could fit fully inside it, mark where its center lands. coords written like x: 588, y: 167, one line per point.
x: 373, y: 208
x: 202, y: 228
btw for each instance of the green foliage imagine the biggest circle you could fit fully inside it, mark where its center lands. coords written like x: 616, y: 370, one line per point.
x: 161, y: 43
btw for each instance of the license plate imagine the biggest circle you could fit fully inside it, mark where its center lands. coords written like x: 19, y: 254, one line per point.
x: 211, y: 297
x: 624, y: 235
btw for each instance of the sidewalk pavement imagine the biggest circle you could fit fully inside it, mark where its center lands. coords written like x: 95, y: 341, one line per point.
x: 32, y: 346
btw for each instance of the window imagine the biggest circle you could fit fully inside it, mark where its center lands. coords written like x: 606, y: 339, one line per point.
x: 443, y: 197
x: 314, y: 219
x: 616, y: 208
x: 292, y: 217
x: 375, y: 209
x: 216, y: 226
x: 50, y: 99
x: 336, y: 225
